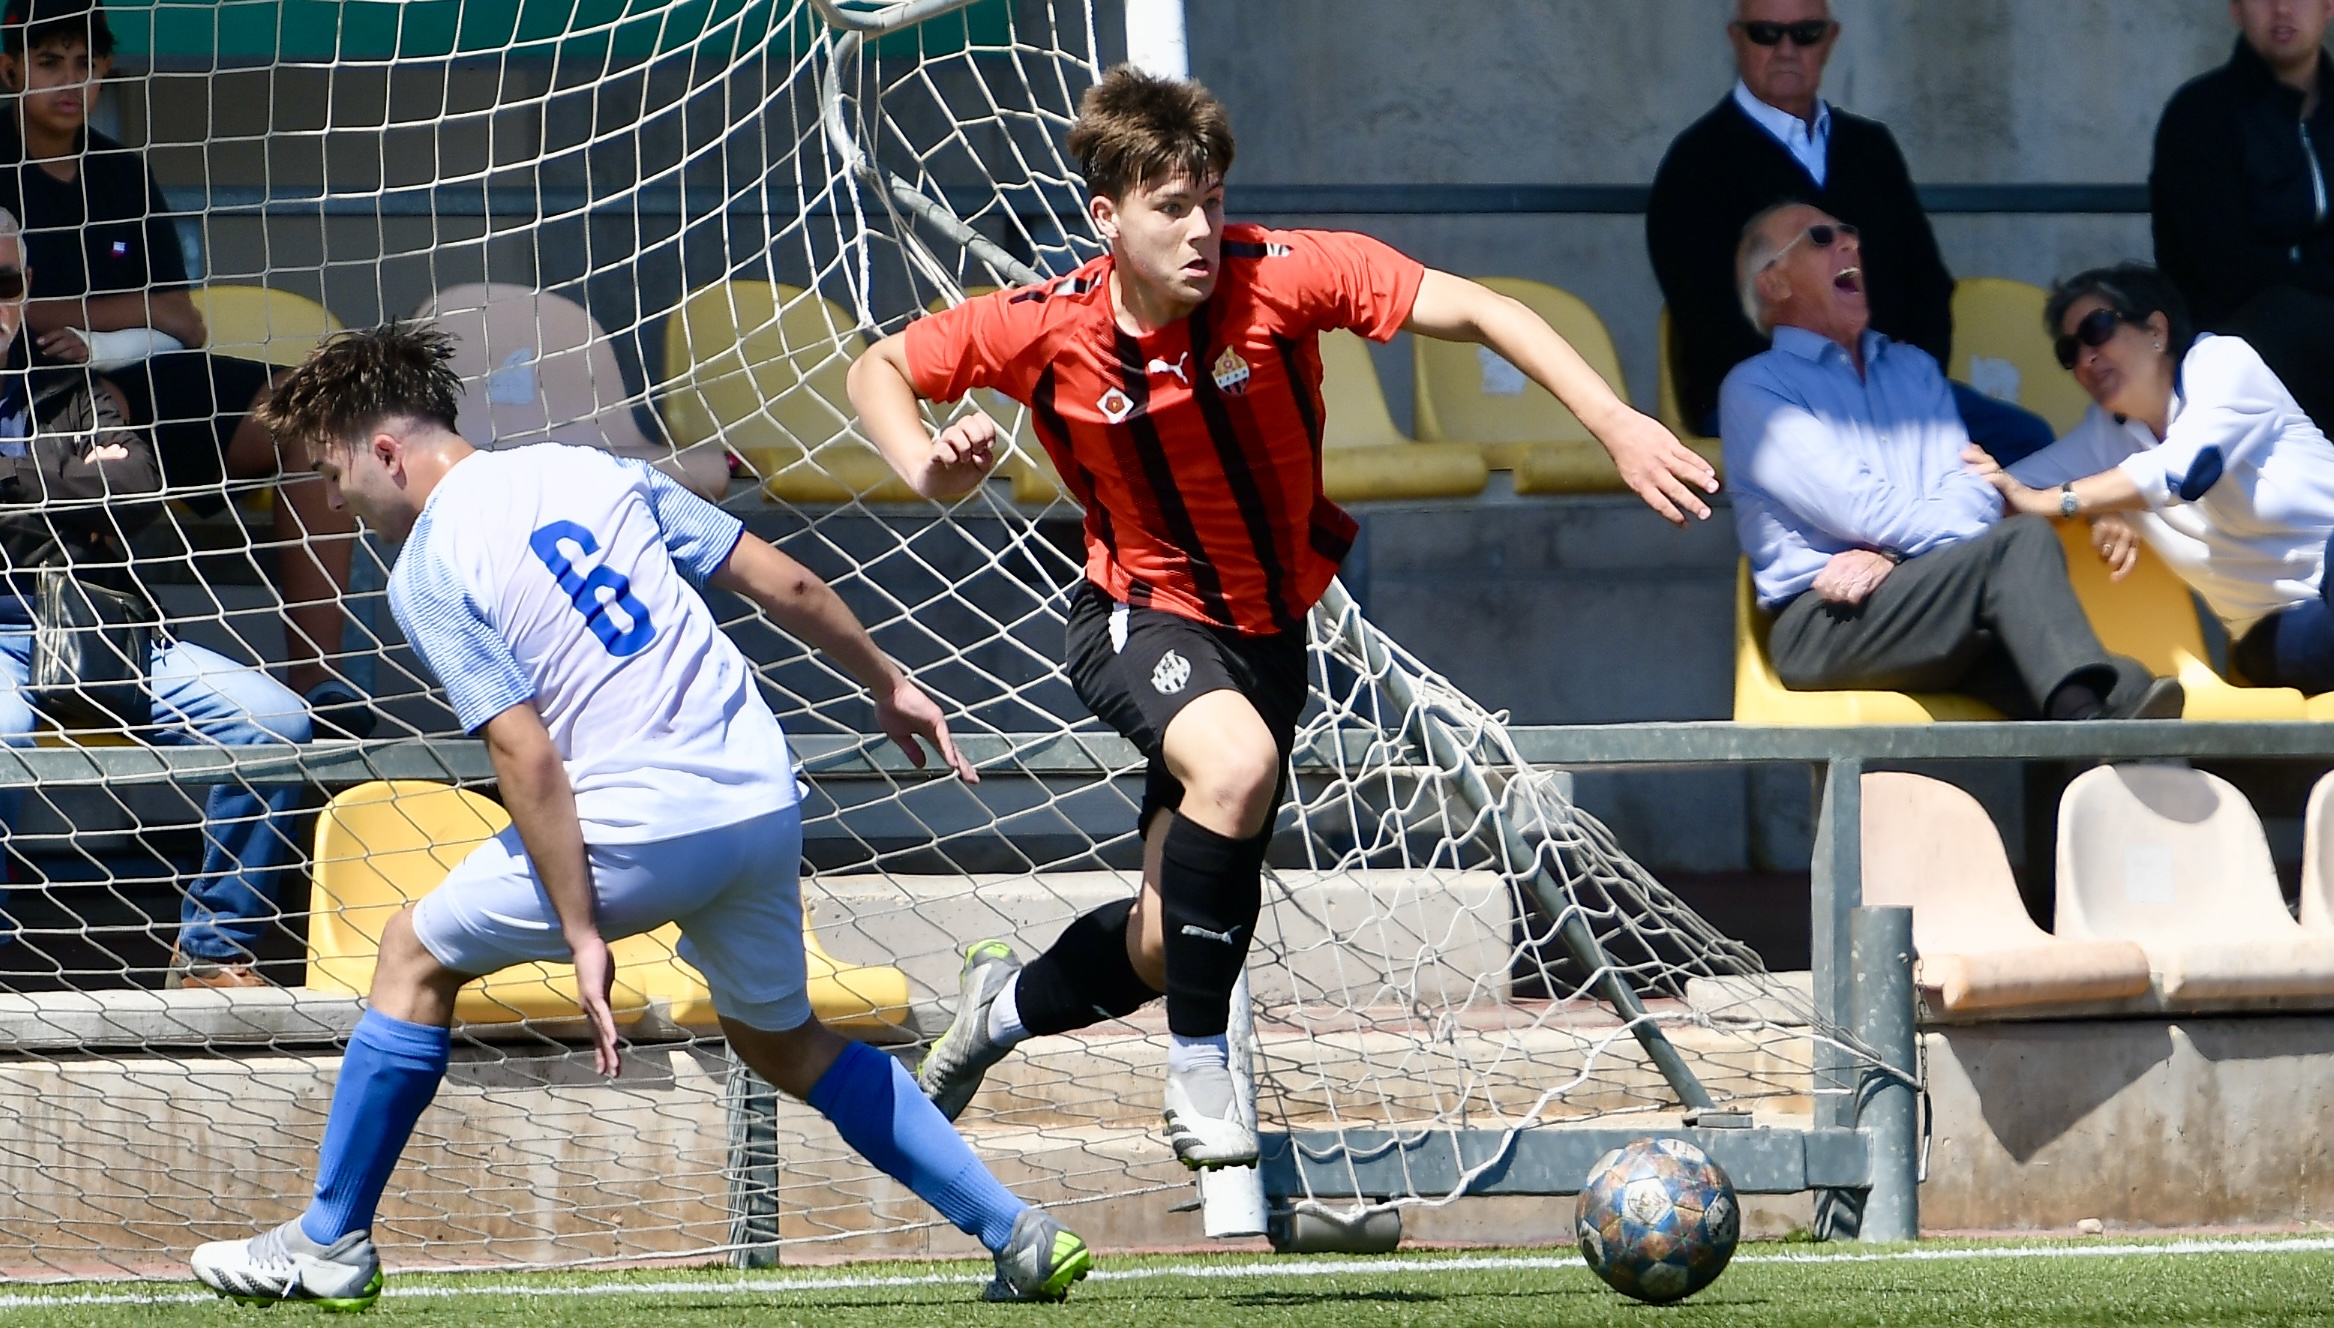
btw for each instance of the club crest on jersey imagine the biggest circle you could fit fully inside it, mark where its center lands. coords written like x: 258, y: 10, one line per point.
x: 1115, y: 405
x: 1230, y: 373
x: 1173, y: 672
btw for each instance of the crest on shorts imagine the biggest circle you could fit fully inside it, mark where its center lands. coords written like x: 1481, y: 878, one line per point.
x: 1230, y: 373
x: 1115, y: 405
x: 1171, y: 675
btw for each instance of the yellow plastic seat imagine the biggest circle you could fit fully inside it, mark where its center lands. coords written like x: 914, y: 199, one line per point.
x: 2001, y: 348
x: 1931, y: 847
x: 256, y: 323
x: 1761, y: 698
x: 762, y: 368
x: 1673, y: 416
x: 1467, y: 393
x: 1363, y: 455
x: 2150, y: 616
x: 383, y: 845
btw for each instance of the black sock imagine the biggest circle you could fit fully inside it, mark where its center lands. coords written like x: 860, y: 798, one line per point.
x: 2075, y: 698
x: 1084, y: 977
x: 1212, y: 889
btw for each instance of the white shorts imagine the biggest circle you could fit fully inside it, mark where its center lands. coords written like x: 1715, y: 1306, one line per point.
x: 735, y: 890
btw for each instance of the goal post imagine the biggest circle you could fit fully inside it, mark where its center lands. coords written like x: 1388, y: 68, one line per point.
x: 667, y: 231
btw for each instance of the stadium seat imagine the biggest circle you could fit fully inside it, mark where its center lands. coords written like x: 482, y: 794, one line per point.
x: 2318, y: 857
x: 1363, y: 455
x: 762, y: 367
x: 537, y: 367
x: 1467, y: 393
x: 2151, y: 616
x: 383, y: 845
x: 1672, y: 415
x: 2176, y: 860
x: 256, y: 323
x: 1761, y: 698
x: 2001, y: 348
x: 1929, y: 846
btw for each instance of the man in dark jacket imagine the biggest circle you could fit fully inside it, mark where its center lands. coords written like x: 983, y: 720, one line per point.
x: 1773, y: 139
x: 2240, y: 192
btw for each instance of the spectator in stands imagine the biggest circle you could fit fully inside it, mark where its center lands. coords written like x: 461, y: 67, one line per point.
x: 1883, y: 556
x: 113, y: 295
x: 2243, y: 172
x: 1774, y: 139
x: 70, y: 477
x: 2215, y: 463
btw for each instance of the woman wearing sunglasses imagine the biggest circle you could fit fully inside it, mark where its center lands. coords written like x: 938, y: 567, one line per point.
x: 2207, y: 452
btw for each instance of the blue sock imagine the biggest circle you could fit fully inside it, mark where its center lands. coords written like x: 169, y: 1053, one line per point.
x: 390, y: 1073
x: 879, y: 1110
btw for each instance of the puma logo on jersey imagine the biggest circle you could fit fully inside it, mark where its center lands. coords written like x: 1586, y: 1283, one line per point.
x: 1228, y: 937
x: 1163, y: 367
x: 1115, y: 405
x: 1172, y: 673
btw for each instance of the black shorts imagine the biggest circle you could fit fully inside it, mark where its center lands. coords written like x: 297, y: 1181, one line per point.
x: 1137, y: 668
x: 195, y: 400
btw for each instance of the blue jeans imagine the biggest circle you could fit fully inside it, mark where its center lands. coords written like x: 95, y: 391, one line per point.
x: 201, y: 699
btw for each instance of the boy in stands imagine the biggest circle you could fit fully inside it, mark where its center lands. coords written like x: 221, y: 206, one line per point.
x: 1176, y: 383
x: 550, y: 588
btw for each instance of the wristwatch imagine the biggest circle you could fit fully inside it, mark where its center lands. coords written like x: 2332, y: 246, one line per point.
x: 2068, y: 504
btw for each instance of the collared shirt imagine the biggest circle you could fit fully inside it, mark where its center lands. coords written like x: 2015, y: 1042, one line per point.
x: 2240, y: 491
x: 1821, y: 459
x: 1810, y: 147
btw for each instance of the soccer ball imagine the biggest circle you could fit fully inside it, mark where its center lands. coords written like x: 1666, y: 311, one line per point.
x: 1658, y: 1220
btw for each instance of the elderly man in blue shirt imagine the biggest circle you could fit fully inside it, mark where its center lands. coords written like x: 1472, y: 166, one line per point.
x: 1885, y: 561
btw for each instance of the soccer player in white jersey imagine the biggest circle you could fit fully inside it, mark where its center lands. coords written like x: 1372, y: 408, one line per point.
x: 549, y: 588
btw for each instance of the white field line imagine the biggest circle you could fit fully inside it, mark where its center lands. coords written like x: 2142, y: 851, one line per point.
x: 1218, y: 1272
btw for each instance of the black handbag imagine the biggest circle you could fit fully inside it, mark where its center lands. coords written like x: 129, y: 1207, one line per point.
x: 91, y: 648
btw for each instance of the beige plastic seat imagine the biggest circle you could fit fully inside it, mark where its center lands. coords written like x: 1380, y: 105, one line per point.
x: 257, y: 323
x: 763, y: 368
x: 537, y: 368
x: 2175, y: 860
x: 2001, y: 348
x: 2318, y: 857
x: 1467, y: 393
x: 1930, y: 846
x: 1363, y: 455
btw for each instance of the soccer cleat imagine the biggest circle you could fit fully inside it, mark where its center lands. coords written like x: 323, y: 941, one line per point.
x: 1203, y: 1124
x: 1040, y: 1262
x: 192, y: 973
x: 283, y: 1264
x: 952, y: 1069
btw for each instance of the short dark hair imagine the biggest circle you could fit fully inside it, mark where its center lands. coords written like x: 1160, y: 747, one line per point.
x: 1133, y: 128
x: 2133, y: 291
x: 28, y: 25
x: 360, y: 378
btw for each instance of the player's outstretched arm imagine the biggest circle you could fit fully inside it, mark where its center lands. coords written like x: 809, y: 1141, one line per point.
x: 541, y: 802
x: 808, y: 608
x: 1655, y: 465
x: 949, y: 465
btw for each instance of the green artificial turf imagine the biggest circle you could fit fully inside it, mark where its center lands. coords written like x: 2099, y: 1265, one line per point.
x: 1771, y: 1285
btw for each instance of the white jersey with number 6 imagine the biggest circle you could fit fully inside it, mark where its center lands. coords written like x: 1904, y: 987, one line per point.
x: 564, y: 575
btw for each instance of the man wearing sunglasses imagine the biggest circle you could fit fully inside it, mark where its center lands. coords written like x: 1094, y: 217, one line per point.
x: 1884, y: 559
x: 1774, y: 139
x: 2242, y: 192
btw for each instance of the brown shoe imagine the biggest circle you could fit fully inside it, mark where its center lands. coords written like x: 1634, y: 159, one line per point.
x: 188, y: 973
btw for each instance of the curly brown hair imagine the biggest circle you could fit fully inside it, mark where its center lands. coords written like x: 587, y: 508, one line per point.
x: 1134, y: 128
x: 361, y: 377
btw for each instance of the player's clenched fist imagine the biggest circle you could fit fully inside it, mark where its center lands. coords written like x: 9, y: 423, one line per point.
x: 963, y: 453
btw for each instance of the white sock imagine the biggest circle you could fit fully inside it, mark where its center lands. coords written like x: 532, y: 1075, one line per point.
x: 1005, y: 1026
x: 1187, y: 1054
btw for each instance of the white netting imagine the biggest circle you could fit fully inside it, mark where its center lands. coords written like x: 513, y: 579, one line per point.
x: 667, y: 229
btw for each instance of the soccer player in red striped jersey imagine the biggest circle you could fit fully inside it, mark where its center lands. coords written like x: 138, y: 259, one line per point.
x: 1176, y: 383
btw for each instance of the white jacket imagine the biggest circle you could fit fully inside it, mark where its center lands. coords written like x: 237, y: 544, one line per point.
x: 2240, y: 490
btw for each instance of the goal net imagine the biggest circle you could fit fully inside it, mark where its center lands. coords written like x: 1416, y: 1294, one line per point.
x: 666, y: 230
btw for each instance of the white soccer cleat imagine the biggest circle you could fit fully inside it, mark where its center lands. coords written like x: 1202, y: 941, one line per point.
x: 283, y: 1264
x: 1203, y: 1124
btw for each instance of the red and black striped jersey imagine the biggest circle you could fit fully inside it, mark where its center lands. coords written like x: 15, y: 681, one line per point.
x: 1196, y: 450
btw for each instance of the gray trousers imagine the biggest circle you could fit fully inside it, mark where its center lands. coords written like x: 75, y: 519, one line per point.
x: 1991, y: 617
